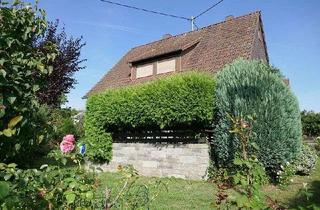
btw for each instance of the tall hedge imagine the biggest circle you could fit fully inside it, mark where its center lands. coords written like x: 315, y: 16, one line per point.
x: 254, y: 88
x: 179, y: 101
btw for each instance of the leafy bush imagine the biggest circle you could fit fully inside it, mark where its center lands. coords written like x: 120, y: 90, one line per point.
x: 52, y: 186
x: 183, y: 100
x: 63, y: 122
x: 56, y: 186
x: 306, y: 160
x: 252, y: 88
x: 21, y: 62
x: 310, y: 123
x: 247, y: 174
x: 285, y: 174
x: 318, y: 144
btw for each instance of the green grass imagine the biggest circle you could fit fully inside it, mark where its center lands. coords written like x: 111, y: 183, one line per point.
x: 184, y: 194
x: 181, y: 194
x: 289, y: 196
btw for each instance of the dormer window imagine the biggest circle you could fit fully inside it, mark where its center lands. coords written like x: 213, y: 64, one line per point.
x: 155, y: 67
x: 166, y: 66
x: 144, y: 70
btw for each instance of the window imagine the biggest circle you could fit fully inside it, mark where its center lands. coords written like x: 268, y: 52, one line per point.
x: 160, y: 67
x: 166, y: 66
x: 144, y: 70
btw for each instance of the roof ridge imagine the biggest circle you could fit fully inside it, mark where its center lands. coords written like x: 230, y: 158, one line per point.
x: 205, y: 27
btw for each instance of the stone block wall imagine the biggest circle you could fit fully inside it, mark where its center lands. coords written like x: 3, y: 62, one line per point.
x: 188, y: 161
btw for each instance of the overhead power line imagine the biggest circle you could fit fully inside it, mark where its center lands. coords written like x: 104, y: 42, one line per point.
x: 216, y: 4
x: 146, y: 10
x: 191, y: 19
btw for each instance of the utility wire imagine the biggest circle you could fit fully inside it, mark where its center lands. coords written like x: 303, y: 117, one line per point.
x: 216, y: 4
x: 191, y: 19
x: 195, y: 25
x: 146, y: 10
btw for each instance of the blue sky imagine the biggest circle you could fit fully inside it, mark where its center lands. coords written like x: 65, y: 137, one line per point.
x: 292, y: 29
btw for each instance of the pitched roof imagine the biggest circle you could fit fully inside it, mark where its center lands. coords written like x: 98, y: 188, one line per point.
x: 208, y: 49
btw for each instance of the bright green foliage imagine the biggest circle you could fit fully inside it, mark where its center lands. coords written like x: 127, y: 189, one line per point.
x: 183, y: 100
x: 20, y: 62
x: 310, y: 123
x: 56, y: 186
x: 252, y: 88
x: 50, y: 186
x: 98, y: 141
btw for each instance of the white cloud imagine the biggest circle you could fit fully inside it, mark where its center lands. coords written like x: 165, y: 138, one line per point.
x: 110, y: 26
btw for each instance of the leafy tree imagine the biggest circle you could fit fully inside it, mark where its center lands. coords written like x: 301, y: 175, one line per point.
x: 310, y: 123
x: 23, y: 67
x: 67, y: 62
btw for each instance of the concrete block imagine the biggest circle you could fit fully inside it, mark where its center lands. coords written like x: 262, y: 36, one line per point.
x: 178, y: 160
x: 150, y: 164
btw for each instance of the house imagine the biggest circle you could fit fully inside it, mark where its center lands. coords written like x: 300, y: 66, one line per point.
x: 207, y: 49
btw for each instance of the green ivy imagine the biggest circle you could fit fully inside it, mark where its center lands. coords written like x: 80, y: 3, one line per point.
x: 183, y: 100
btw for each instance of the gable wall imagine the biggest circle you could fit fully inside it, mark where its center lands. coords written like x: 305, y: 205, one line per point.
x: 259, y: 48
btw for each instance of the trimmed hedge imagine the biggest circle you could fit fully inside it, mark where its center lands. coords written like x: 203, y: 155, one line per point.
x: 254, y: 88
x: 178, y: 101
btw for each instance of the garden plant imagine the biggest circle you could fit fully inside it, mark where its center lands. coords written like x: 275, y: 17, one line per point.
x: 254, y: 88
x: 246, y: 176
x: 253, y: 114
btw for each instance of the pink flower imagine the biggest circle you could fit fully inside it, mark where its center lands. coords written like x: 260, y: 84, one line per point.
x: 67, y: 144
x: 69, y: 138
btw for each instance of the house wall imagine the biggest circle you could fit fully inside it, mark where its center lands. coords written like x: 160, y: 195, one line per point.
x: 189, y: 161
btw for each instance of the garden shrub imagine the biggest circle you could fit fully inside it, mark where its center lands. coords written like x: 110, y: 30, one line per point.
x: 22, y: 69
x: 52, y: 186
x: 253, y: 88
x: 317, y: 146
x: 306, y: 160
x: 63, y: 122
x: 246, y: 177
x: 284, y: 174
x: 310, y: 123
x: 178, y: 101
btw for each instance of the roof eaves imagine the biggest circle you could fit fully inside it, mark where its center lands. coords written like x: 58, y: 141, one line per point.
x: 140, y: 60
x: 264, y: 38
